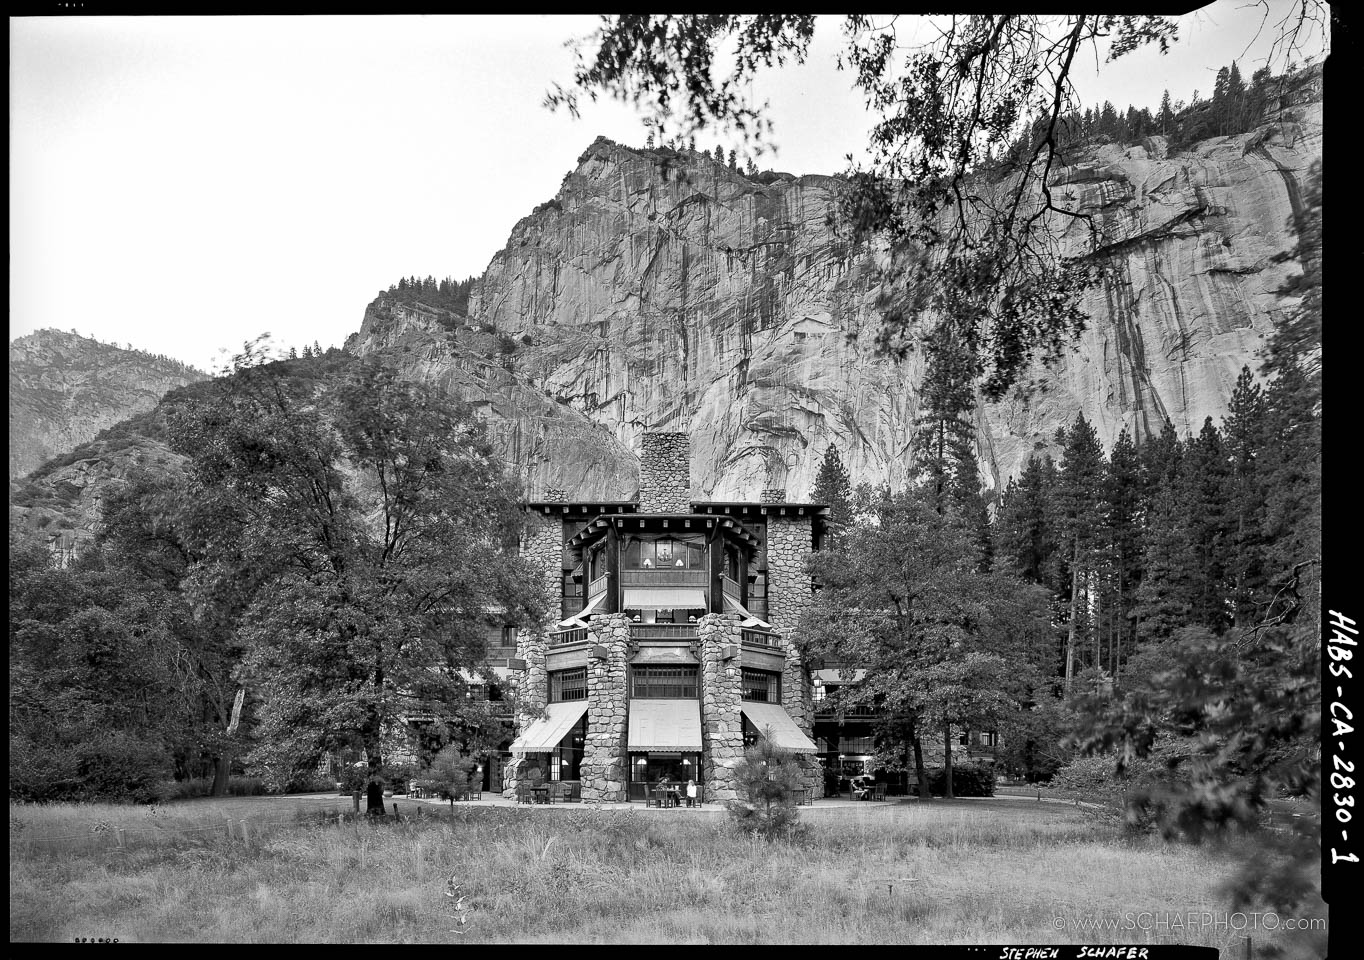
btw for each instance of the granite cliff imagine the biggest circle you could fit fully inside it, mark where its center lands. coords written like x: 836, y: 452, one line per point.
x: 64, y: 389
x: 663, y: 290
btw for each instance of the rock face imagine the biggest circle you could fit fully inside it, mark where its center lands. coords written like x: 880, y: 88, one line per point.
x: 65, y: 388
x: 665, y: 291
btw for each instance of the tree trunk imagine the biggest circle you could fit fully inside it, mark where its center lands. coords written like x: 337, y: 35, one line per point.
x: 947, y: 762
x: 1074, y: 616
x: 222, y: 774
x: 374, y: 796
x: 918, y: 747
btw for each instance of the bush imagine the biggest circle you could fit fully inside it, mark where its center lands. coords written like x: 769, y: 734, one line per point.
x: 110, y: 766
x: 767, y: 779
x: 449, y: 774
x: 968, y: 780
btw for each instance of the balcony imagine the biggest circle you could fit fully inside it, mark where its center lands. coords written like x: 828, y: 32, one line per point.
x: 560, y: 637
x: 665, y: 577
x: 731, y: 588
x: 663, y: 631
x: 763, y: 638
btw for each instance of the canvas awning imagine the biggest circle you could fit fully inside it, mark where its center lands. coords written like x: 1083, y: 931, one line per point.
x: 784, y: 732
x: 734, y: 606
x: 664, y: 598
x: 544, y: 735
x: 579, y: 619
x: 667, y: 725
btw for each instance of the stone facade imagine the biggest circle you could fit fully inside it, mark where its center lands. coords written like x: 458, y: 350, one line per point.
x: 603, y: 764
x: 665, y: 473
x: 722, y: 729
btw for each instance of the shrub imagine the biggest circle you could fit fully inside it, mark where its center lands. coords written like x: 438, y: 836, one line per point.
x: 767, y: 779
x: 968, y: 780
x: 449, y: 774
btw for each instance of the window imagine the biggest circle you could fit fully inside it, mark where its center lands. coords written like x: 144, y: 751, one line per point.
x: 762, y: 686
x: 568, y: 685
x: 658, y: 682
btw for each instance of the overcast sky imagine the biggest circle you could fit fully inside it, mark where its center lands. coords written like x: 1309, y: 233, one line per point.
x: 184, y: 184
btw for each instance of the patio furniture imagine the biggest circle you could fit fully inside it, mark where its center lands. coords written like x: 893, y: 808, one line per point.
x: 573, y: 793
x: 539, y: 794
x: 878, y: 792
x: 523, y: 793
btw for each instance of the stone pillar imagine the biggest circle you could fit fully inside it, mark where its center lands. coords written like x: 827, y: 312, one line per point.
x: 604, y: 759
x: 722, y: 724
x: 789, y: 541
x: 665, y: 473
x: 532, y: 692
x: 543, y: 545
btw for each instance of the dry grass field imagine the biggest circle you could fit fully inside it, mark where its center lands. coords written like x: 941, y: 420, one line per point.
x: 984, y: 871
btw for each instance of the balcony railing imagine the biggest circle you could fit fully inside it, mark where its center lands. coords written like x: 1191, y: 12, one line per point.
x: 730, y: 588
x: 663, y: 631
x: 597, y: 586
x: 560, y: 637
x: 664, y: 577
x: 763, y: 638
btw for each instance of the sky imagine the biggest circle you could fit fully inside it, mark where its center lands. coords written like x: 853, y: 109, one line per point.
x: 183, y: 184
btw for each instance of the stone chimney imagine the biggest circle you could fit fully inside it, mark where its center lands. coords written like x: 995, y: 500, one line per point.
x: 665, y: 473
x: 772, y: 495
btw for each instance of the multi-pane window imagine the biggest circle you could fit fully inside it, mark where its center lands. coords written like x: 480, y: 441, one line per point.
x: 568, y: 685
x: 762, y: 686
x: 659, y: 682
x: 858, y: 745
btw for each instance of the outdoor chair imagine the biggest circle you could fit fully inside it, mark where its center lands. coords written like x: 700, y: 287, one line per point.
x: 878, y: 792
x: 573, y: 793
x: 523, y: 793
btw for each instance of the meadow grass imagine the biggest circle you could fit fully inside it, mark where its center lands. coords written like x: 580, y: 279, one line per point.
x: 992, y: 871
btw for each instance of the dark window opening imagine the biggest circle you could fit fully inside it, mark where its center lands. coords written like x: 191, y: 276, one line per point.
x: 658, y: 682
x: 568, y: 685
x: 762, y: 686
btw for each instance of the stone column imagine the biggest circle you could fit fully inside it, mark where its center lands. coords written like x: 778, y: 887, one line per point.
x: 789, y: 541
x: 722, y: 724
x: 665, y: 473
x: 604, y: 759
x: 543, y: 544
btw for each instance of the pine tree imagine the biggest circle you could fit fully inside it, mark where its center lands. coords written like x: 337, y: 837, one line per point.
x: 1205, y: 481
x: 719, y: 154
x: 1123, y: 535
x: 1166, y: 118
x: 1081, y: 510
x: 649, y: 141
x: 833, y: 485
x: 1245, y: 437
x: 733, y: 159
x: 1026, y: 530
x: 944, y: 442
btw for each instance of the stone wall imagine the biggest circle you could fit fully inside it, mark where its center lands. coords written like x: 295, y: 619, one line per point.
x: 665, y: 473
x: 603, y: 766
x: 722, y: 728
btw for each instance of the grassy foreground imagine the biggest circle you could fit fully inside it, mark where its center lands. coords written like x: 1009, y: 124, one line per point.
x: 993, y: 871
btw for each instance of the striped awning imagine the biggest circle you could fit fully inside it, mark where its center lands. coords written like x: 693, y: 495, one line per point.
x: 665, y: 725
x: 544, y: 735
x: 776, y: 724
x: 664, y: 598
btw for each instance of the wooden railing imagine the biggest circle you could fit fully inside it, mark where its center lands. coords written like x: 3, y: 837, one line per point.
x: 598, y: 586
x: 731, y: 588
x: 560, y: 637
x: 664, y: 577
x: 762, y: 637
x: 663, y: 631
